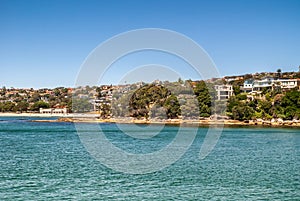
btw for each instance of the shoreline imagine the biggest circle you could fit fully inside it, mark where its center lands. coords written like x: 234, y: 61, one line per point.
x: 187, y: 123
x: 91, y: 118
x: 46, y: 115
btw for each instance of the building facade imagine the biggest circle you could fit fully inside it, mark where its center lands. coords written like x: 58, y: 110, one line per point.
x: 270, y: 83
x: 224, y: 91
x: 53, y: 111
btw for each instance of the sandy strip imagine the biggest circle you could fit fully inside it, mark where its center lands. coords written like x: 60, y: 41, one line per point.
x: 31, y: 115
x: 210, y: 123
x: 91, y: 118
x: 25, y: 114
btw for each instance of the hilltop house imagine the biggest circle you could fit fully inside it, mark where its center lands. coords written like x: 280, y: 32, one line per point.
x: 287, y: 84
x: 248, y: 85
x: 251, y: 85
x: 259, y: 85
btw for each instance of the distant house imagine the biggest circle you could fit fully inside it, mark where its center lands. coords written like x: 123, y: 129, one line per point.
x: 44, y: 98
x: 53, y: 111
x: 287, y: 84
x: 224, y: 91
x: 233, y: 78
x: 251, y: 85
x: 98, y: 102
x: 248, y: 85
x: 259, y: 85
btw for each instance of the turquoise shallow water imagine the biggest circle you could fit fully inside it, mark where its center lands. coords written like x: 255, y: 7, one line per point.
x: 46, y: 161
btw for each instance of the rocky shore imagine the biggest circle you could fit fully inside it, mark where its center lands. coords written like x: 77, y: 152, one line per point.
x: 92, y: 118
x: 202, y: 122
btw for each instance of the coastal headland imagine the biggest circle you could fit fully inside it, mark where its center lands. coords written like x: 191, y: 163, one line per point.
x: 258, y: 99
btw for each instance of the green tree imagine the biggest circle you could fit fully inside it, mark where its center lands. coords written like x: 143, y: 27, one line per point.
x: 232, y: 102
x: 242, y: 112
x: 204, y: 99
x: 8, y: 106
x: 241, y: 96
x: 143, y: 99
x: 105, y: 110
x: 22, y: 106
x: 278, y: 72
x: 291, y: 104
x: 81, y: 105
x: 264, y: 107
x: 236, y: 89
x: 3, y: 91
x: 40, y: 104
x: 172, y: 106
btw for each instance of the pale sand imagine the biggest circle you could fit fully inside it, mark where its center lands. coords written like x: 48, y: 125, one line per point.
x: 29, y: 115
x: 25, y: 114
x: 207, y: 122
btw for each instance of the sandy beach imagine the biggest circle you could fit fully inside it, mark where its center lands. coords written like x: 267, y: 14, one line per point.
x: 27, y: 114
x: 206, y: 122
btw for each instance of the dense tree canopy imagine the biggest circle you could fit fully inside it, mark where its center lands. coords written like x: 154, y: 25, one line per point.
x: 81, y: 105
x: 143, y: 99
x: 204, y: 99
x: 181, y: 99
x: 40, y: 104
x: 270, y: 105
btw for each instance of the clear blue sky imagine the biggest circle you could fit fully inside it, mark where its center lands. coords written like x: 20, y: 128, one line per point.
x: 44, y: 42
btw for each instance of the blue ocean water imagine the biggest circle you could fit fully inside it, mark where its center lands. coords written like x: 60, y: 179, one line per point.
x: 47, y: 161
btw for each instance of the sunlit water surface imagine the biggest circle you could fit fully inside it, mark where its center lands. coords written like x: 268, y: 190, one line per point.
x: 47, y: 161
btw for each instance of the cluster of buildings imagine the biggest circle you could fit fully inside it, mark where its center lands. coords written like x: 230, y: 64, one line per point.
x: 54, y: 110
x: 257, y: 86
x: 102, y: 96
x: 14, y: 95
x: 31, y: 96
x: 223, y: 91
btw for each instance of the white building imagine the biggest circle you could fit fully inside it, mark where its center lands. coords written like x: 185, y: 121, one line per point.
x: 259, y: 85
x: 287, y: 84
x: 269, y: 83
x: 54, y: 111
x: 248, y: 85
x: 224, y: 91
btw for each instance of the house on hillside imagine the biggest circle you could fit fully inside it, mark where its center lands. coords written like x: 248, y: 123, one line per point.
x: 248, y: 86
x: 287, y: 84
x: 224, y: 91
x: 266, y: 83
x: 252, y: 86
